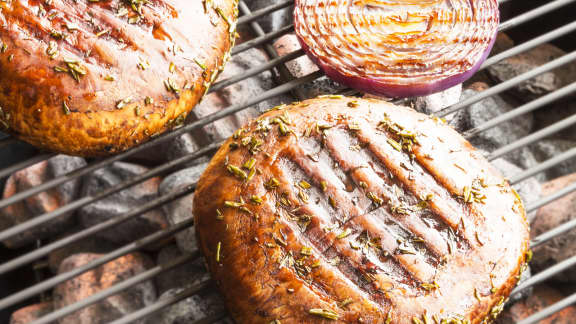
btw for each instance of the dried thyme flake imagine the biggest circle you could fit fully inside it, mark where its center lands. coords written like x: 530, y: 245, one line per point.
x: 219, y: 215
x: 171, y: 86
x: 237, y: 172
x: 122, y: 103
x: 66, y: 108
x: 328, y: 314
x: 430, y: 286
x: 395, y: 144
x: 109, y: 78
x: 345, y: 302
x: 218, y: 247
x: 306, y: 250
x: 200, y: 64
x: 344, y: 234
x: 233, y: 204
x: 52, y: 50
x: 304, y: 184
x: 323, y: 185
x: 256, y: 200
x: 249, y: 164
x: 273, y: 183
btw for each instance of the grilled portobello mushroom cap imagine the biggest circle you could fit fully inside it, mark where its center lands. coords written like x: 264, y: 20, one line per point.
x: 346, y: 210
x: 91, y: 78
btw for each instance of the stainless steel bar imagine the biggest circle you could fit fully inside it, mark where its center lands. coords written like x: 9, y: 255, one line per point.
x: 163, y: 303
x: 261, y: 39
x: 24, y: 164
x: 509, y: 83
x: 257, y: 14
x: 531, y: 106
x: 543, y: 166
x: 534, y: 137
x: 7, y: 141
x: 546, y: 274
x: 79, y: 203
x: 545, y: 38
x: 52, y: 282
x: 555, y: 196
x: 548, y: 311
x: 116, y: 289
x: 46, y: 249
x: 553, y: 233
x: 535, y: 13
x: 256, y: 70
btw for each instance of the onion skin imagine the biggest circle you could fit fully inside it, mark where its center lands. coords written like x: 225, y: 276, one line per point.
x: 397, y: 68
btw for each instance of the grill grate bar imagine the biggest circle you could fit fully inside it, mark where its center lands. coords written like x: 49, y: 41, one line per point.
x: 264, y: 11
x: 553, y: 233
x: 261, y: 39
x: 165, y: 302
x: 544, y: 166
x: 45, y: 250
x: 254, y: 71
x: 532, y: 14
x: 545, y: 38
x: 134, y: 246
x: 543, y: 133
x: 550, y: 310
x: 24, y: 164
x: 124, y: 285
x: 41, y: 219
x: 509, y: 84
x: 546, y: 274
x: 555, y: 196
x: 531, y: 106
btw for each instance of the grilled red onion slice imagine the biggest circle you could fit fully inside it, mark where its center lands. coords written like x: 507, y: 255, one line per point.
x: 397, y: 48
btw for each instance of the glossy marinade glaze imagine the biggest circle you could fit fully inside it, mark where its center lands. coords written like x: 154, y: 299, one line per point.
x: 94, y: 77
x: 358, y: 211
x: 397, y: 48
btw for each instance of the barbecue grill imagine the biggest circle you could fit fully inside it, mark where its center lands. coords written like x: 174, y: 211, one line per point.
x: 276, y: 63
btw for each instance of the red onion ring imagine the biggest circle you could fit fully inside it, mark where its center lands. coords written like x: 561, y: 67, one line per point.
x: 397, y: 48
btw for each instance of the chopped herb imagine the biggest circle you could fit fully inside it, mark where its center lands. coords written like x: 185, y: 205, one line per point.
x: 236, y: 171
x: 324, y: 313
x: 344, y: 233
x: 272, y: 184
x: 218, y: 247
x: 219, y: 215
x: 345, y: 302
x: 304, y: 184
x: 148, y: 100
x: 171, y: 86
x: 306, y: 251
x: 395, y: 145
x: 323, y: 185
x: 256, y: 200
x: 249, y: 164
x: 109, y: 78
x: 200, y: 64
x: 122, y: 103
x: 430, y: 286
x: 233, y: 204
x: 66, y: 108
x: 353, y: 104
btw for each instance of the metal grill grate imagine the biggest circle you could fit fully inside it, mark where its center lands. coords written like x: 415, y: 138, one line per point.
x: 264, y: 39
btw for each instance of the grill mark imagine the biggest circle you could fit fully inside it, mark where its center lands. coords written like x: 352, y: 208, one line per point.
x: 328, y: 240
x: 364, y: 167
x: 316, y: 171
x: 444, y: 206
x: 314, y: 238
